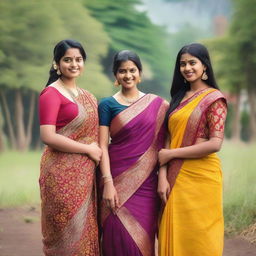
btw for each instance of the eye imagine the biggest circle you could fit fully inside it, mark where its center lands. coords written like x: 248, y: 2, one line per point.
x: 192, y: 62
x: 67, y: 60
x: 121, y: 71
x: 80, y: 59
x: 182, y: 64
x: 133, y: 70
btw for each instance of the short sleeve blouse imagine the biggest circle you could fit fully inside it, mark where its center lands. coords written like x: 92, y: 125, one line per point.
x: 55, y: 108
x: 108, y: 109
x: 212, y: 123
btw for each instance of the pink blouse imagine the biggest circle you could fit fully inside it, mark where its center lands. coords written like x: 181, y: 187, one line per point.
x: 212, y: 123
x: 55, y: 108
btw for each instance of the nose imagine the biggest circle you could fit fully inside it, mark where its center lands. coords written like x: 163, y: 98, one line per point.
x: 128, y: 75
x: 187, y: 67
x: 73, y: 63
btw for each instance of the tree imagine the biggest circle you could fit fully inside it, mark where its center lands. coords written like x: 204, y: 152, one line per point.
x: 131, y: 29
x: 228, y: 72
x: 29, y: 31
x: 243, y: 33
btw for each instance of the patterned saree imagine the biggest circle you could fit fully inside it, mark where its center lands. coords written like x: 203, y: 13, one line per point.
x: 192, y: 220
x: 67, y: 184
x: 137, y: 134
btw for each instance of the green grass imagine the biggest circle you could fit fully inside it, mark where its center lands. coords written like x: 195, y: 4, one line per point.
x: 19, y: 174
x: 239, y: 169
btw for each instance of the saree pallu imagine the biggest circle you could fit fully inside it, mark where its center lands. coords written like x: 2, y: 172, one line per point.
x: 192, y: 222
x: 67, y: 186
x: 137, y: 134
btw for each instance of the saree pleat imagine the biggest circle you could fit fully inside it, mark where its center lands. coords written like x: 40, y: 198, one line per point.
x: 137, y: 135
x: 67, y: 186
x: 192, y: 222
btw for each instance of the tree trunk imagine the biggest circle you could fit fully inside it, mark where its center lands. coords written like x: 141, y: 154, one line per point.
x: 8, y: 121
x: 236, y: 125
x: 30, y: 118
x: 1, y: 132
x: 252, y: 105
x: 19, y: 119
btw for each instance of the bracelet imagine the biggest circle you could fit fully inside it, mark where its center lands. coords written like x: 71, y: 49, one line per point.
x: 108, y: 179
x: 106, y: 176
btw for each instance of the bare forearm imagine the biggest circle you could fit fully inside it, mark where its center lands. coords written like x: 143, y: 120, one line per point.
x: 65, y: 144
x: 104, y: 163
x: 162, y: 171
x: 198, y: 150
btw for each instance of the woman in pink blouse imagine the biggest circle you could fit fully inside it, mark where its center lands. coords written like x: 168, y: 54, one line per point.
x: 190, y: 179
x: 69, y: 127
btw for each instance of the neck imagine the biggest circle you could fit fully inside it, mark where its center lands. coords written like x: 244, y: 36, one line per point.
x: 69, y: 83
x: 131, y: 92
x: 197, y: 86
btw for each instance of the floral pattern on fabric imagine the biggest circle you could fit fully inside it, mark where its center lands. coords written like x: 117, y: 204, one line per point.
x: 213, y: 121
x: 68, y: 191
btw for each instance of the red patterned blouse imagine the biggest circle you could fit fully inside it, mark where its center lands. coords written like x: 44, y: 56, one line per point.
x: 212, y: 123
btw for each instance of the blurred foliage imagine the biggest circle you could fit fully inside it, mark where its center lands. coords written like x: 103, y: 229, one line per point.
x: 245, y: 131
x: 130, y: 29
x: 29, y: 32
x: 243, y: 32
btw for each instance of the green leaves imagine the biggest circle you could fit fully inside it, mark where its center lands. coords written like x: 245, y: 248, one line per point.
x: 29, y: 32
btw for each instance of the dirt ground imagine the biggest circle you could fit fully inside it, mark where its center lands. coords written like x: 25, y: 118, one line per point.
x: 20, y: 235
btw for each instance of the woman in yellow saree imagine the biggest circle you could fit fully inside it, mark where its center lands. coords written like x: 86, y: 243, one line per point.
x: 191, y: 184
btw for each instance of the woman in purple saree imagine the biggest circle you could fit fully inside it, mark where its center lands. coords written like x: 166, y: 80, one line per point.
x: 134, y: 121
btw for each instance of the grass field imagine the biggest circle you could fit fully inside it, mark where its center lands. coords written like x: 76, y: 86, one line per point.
x: 239, y: 169
x: 19, y: 175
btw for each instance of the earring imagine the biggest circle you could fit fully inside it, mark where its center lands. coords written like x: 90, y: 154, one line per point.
x: 55, y: 67
x: 185, y: 81
x: 139, y: 81
x: 116, y: 83
x: 204, y: 76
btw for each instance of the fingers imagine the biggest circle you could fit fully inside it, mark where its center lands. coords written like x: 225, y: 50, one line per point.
x: 117, y: 204
x: 164, y: 195
x: 164, y: 198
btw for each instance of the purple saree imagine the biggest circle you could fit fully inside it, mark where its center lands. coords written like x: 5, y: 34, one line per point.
x: 137, y: 134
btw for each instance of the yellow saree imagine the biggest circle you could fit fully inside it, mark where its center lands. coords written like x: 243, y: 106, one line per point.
x: 192, y: 221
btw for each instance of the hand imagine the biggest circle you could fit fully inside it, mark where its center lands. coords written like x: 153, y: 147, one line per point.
x: 110, y: 196
x: 164, y: 156
x: 94, y: 152
x: 163, y: 188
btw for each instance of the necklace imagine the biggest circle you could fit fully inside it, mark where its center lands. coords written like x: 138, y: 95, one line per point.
x: 71, y: 92
x: 129, y: 100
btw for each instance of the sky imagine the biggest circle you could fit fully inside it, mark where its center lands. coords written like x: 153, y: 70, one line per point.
x: 175, y: 15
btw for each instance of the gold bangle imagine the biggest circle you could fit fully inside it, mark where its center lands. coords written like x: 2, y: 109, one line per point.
x: 106, y: 176
x: 109, y: 179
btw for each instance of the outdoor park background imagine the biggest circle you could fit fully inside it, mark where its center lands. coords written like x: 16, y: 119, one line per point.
x: 155, y: 30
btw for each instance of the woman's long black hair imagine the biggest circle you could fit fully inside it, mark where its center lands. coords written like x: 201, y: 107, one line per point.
x: 179, y: 87
x: 125, y: 55
x: 59, y: 51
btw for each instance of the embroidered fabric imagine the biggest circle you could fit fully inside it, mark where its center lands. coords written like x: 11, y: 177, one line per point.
x: 212, y: 123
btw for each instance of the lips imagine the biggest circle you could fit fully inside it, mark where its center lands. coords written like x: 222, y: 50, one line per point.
x: 188, y: 75
x: 73, y: 70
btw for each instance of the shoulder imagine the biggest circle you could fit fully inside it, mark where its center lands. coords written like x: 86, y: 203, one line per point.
x: 107, y: 101
x: 49, y: 94
x: 217, y: 93
x: 164, y: 101
x: 49, y: 90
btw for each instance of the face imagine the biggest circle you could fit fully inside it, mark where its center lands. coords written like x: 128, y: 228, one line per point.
x: 128, y: 74
x: 191, y: 68
x: 71, y: 64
